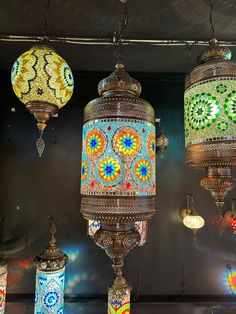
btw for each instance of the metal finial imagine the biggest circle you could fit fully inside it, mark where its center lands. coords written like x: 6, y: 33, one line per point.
x: 40, y: 144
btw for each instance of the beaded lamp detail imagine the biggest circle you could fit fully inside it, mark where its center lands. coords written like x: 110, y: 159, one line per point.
x: 210, y: 117
x: 43, y: 82
x: 50, y: 278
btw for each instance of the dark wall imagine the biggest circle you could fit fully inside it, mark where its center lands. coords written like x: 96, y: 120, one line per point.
x: 33, y: 188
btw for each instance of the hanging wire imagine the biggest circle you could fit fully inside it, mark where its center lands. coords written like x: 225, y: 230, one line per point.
x: 211, y: 21
x: 46, y: 20
x: 117, y: 38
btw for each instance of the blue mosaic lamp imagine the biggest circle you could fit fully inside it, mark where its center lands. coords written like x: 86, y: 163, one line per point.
x: 210, y: 119
x: 118, y: 174
x: 50, y: 278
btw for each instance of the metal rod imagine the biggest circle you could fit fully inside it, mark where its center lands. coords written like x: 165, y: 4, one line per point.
x: 109, y: 41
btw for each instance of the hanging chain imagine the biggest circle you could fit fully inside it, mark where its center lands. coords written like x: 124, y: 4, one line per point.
x: 117, y: 38
x: 46, y: 14
x: 211, y: 21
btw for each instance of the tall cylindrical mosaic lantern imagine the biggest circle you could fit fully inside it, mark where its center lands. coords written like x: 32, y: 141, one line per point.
x: 210, y: 120
x: 50, y: 278
x: 118, y: 182
x: 3, y: 285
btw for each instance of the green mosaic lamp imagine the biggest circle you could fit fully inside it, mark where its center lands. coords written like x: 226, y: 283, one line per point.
x: 210, y: 119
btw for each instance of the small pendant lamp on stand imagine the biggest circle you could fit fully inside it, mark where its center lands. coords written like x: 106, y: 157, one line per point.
x: 50, y: 278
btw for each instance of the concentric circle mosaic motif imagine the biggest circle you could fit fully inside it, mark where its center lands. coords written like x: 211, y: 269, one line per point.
x: 142, y: 171
x: 127, y: 142
x: 112, y: 149
x: 96, y: 143
x: 151, y: 144
x: 110, y: 171
x: 51, y: 299
x: 49, y: 292
x: 210, y: 111
x: 202, y: 110
x: 42, y: 75
x: 230, y: 106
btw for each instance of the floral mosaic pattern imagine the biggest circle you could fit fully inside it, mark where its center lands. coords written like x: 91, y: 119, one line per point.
x: 202, y: 110
x: 49, y: 294
x: 121, y: 156
x: 230, y: 106
x: 3, y: 282
x: 210, y: 111
x: 42, y: 75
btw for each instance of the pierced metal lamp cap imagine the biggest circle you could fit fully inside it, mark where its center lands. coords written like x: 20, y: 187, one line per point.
x: 119, y: 81
x: 214, y: 51
x: 51, y: 259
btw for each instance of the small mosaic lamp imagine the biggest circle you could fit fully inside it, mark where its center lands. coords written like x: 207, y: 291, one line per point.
x: 190, y: 217
x: 50, y: 278
x: 210, y: 120
x: 43, y: 82
x: 3, y: 285
x: 119, y: 297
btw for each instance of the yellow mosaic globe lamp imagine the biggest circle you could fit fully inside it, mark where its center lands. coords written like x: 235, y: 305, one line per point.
x: 43, y: 82
x: 210, y: 119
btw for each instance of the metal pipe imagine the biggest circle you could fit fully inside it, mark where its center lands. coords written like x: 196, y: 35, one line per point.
x: 109, y: 41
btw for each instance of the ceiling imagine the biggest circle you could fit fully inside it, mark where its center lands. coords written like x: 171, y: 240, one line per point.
x: 149, y: 19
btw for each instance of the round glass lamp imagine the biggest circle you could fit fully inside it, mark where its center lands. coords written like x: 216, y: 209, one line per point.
x: 193, y: 221
x: 190, y: 217
x: 43, y: 82
x: 210, y: 119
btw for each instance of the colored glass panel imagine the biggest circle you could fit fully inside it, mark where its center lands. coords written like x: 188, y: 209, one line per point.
x: 119, y: 156
x: 210, y: 111
x: 49, y: 294
x: 42, y: 75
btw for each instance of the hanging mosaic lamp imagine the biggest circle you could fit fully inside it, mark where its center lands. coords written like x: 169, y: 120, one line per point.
x: 50, y: 278
x: 3, y: 285
x: 118, y: 184
x: 210, y: 120
x: 43, y: 82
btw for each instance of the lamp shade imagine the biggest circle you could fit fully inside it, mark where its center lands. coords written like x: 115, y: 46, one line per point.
x: 50, y: 278
x: 3, y: 285
x: 118, y: 153
x: 41, y: 75
x: 193, y: 221
x: 210, y: 119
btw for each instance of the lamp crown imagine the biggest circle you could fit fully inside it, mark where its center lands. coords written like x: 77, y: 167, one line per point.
x: 51, y: 258
x: 119, y: 81
x: 214, y: 51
